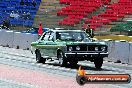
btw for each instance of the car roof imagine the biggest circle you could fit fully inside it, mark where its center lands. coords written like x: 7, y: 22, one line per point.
x: 67, y: 30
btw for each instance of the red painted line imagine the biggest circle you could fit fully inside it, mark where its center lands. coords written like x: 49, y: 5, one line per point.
x: 40, y: 79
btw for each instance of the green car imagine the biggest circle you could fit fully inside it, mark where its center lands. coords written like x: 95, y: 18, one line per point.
x: 69, y: 46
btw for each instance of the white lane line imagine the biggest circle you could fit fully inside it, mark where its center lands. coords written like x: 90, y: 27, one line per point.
x: 68, y: 69
x: 44, y: 65
x: 50, y: 66
x: 32, y: 63
x: 55, y: 67
x: 17, y: 57
x: 62, y: 68
x: 74, y: 70
x: 38, y: 64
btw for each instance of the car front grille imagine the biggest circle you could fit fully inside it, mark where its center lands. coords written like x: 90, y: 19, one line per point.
x: 92, y: 47
x: 86, y: 47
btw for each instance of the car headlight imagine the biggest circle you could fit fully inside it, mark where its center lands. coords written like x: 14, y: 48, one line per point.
x: 96, y: 49
x: 70, y: 48
x: 103, y: 48
x: 77, y: 48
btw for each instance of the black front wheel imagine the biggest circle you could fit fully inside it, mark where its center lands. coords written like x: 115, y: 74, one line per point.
x: 62, y: 60
x: 98, y: 62
x: 39, y: 59
x: 73, y: 63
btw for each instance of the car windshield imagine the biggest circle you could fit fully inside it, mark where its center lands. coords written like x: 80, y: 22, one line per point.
x: 72, y: 36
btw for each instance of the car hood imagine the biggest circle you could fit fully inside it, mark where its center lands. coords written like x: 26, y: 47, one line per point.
x: 81, y: 43
x: 63, y: 43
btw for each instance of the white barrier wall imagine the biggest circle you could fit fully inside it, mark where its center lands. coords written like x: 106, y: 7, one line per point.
x: 9, y: 38
x: 130, y: 53
x: 6, y: 38
x: 28, y: 38
x: 120, y: 52
x: 111, y: 50
x: 1, y: 37
x: 109, y: 43
x: 24, y: 40
x: 17, y: 40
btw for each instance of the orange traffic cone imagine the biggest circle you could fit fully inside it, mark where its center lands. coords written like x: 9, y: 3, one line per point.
x: 40, y: 31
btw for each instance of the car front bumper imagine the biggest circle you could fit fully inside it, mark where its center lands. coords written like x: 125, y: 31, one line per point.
x: 84, y: 55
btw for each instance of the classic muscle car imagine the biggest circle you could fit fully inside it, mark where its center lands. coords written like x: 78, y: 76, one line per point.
x: 69, y: 46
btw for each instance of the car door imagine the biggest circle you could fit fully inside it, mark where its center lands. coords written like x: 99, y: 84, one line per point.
x: 52, y: 45
x: 43, y: 44
x: 47, y: 46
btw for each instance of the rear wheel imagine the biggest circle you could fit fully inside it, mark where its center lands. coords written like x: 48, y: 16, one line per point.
x: 39, y: 59
x: 62, y: 59
x: 98, y: 62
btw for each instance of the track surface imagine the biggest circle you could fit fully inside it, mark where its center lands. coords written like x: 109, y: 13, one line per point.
x: 20, y: 66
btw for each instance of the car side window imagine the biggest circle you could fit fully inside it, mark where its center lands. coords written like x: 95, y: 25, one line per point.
x: 51, y: 36
x: 46, y: 36
x: 42, y: 38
